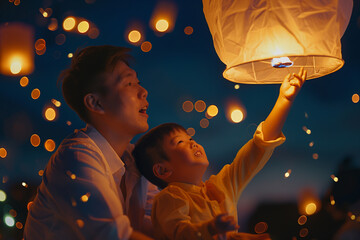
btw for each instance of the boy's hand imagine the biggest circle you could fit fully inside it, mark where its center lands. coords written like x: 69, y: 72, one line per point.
x: 292, y: 84
x: 222, y: 223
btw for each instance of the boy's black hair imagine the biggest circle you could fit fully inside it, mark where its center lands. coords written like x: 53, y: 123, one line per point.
x: 149, y: 151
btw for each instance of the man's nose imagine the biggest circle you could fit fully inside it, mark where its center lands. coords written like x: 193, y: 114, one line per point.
x: 143, y: 92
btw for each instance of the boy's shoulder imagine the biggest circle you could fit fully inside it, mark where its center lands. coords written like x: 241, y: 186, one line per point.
x: 171, y: 192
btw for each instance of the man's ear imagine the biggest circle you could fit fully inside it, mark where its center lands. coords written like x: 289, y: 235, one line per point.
x: 162, y: 170
x: 93, y: 103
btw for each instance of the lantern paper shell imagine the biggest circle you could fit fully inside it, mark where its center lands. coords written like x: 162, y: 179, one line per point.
x: 16, y: 49
x: 250, y: 36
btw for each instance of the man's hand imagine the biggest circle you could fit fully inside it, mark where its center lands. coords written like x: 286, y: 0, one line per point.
x: 222, y: 223
x: 292, y: 84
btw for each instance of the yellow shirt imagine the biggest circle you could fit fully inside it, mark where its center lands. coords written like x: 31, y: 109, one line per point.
x: 181, y: 210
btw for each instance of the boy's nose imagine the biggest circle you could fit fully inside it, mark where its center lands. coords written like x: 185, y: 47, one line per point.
x: 193, y: 144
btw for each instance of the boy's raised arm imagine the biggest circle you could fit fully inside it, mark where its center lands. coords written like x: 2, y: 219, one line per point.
x: 288, y: 90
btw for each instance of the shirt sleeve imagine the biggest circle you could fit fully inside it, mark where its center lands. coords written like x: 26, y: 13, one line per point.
x: 84, y: 195
x: 170, y: 217
x: 249, y: 160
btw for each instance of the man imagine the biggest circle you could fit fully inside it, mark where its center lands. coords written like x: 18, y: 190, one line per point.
x: 91, y: 179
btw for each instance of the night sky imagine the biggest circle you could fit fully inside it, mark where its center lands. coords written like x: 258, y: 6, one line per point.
x: 181, y: 68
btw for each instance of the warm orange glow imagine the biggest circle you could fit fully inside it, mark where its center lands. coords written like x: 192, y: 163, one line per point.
x: 53, y: 25
x: 352, y: 217
x: 162, y: 25
x: 56, y: 102
x: 71, y: 175
x: 261, y: 227
x: 315, y: 156
x: 40, y: 46
x: 41, y: 172
x: 204, y: 123
x: 50, y: 114
x: 93, y: 33
x: 16, y: 49
x: 308, y: 131
x: 188, y: 106
x: 303, y: 232
x: 69, y: 23
x: 29, y: 205
x: 85, y: 197
x: 24, y: 184
x: 35, y: 94
x: 311, y: 144
x: 188, y: 30
x: 302, y: 220
x: 355, y: 98
x: 190, y: 131
x: 287, y: 174
x: 212, y: 110
x: 332, y: 200
x: 237, y: 116
x: 200, y: 106
x: 19, y: 225
x: 236, y: 86
x: 134, y: 36
x: 334, y: 178
x: 146, y: 46
x: 83, y: 26
x: 80, y: 223
x: 310, y: 208
x: 3, y: 153
x: 70, y: 55
x: 35, y: 140
x: 24, y: 81
x: 49, y: 145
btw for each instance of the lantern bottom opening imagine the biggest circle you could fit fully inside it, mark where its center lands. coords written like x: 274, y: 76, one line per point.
x: 262, y: 71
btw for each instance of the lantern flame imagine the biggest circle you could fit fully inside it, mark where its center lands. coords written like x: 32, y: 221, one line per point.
x: 281, y: 62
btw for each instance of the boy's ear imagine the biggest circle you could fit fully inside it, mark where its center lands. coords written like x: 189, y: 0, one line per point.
x: 162, y: 171
x: 93, y: 103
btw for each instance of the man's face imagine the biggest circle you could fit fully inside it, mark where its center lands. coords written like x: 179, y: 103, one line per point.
x: 125, y: 102
x: 186, y: 158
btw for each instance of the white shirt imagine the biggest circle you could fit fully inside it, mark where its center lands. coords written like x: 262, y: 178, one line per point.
x: 80, y: 197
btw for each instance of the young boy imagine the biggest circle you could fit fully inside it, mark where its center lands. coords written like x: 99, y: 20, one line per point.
x: 188, y: 208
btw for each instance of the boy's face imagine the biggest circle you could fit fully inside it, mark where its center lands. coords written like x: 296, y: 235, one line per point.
x: 187, y: 159
x: 125, y: 103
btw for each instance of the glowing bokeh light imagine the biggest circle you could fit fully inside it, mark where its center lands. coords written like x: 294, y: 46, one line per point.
x: 332, y: 200
x: 24, y: 184
x: 50, y: 114
x: 352, y: 217
x: 188, y: 30
x: 93, y: 33
x: 212, y: 110
x: 41, y: 173
x: 311, y: 144
x: 190, y: 131
x: 204, y: 123
x: 80, y: 223
x: 3, y: 153
x: 287, y: 174
x: 24, y: 81
x: 302, y: 220
x: 310, y: 208
x: 13, y: 213
x: 85, y: 197
x: 200, y: 106
x: 260, y: 227
x: 56, y: 102
x: 146, y: 46
x: 236, y: 86
x: 188, y: 106
x: 35, y: 94
x: 2, y: 196
x: 49, y: 145
x: 19, y: 225
x: 303, y: 232
x: 9, y: 220
x: 237, y: 116
x: 315, y: 156
x: 83, y: 26
x: 35, y: 140
x: 162, y: 25
x: 69, y: 23
x: 53, y: 25
x: 134, y: 36
x: 355, y: 98
x: 15, y: 65
x: 334, y: 178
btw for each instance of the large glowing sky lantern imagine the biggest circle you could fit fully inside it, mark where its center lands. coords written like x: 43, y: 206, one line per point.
x: 260, y: 41
x: 16, y: 49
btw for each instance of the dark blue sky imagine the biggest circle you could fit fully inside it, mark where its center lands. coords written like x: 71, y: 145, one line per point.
x: 179, y: 68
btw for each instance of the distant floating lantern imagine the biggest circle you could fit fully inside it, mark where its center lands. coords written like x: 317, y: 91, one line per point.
x: 259, y: 40
x: 16, y: 49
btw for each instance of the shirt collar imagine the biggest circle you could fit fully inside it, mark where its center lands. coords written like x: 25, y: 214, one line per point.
x: 114, y: 161
x: 188, y: 186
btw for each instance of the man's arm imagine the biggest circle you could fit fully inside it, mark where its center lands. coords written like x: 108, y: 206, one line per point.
x: 289, y: 89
